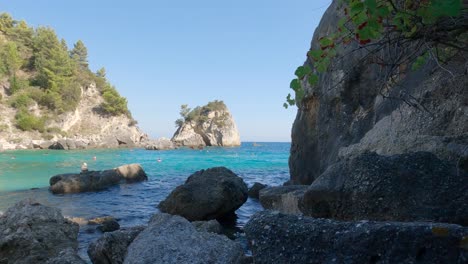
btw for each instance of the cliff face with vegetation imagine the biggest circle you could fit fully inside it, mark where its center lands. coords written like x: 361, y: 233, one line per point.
x: 209, y: 125
x: 358, y: 105
x: 49, y: 94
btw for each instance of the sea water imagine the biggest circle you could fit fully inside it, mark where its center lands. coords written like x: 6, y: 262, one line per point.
x: 26, y: 174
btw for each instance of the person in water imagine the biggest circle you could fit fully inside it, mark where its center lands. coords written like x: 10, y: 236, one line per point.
x: 84, y: 167
x: 159, y: 160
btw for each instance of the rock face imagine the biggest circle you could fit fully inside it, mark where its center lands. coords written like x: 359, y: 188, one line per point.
x: 96, y: 180
x: 211, y: 125
x: 172, y: 239
x: 283, y: 198
x: 160, y: 144
x: 408, y: 187
x: 279, y: 238
x: 207, y: 194
x: 34, y: 233
x: 346, y: 114
x: 86, y: 127
x: 111, y: 248
x: 255, y: 190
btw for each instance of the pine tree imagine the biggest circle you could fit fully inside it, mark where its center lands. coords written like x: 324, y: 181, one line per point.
x: 80, y: 53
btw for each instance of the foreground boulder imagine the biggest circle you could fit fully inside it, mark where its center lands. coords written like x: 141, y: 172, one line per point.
x: 96, y: 180
x: 207, y: 194
x: 34, y: 233
x: 283, y: 198
x: 173, y: 239
x: 280, y: 238
x: 255, y: 190
x: 410, y: 187
x: 111, y: 248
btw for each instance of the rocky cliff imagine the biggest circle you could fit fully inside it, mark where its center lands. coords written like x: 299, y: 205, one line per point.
x: 350, y: 112
x: 85, y: 127
x: 210, y: 125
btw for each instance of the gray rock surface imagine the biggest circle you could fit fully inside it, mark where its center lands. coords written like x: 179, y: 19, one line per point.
x: 109, y: 226
x: 173, y: 239
x: 281, y: 238
x: 283, y: 198
x: 96, y: 180
x: 215, y: 127
x: 255, y: 190
x: 211, y: 226
x: 207, y: 194
x: 408, y: 187
x: 34, y: 233
x: 425, y: 110
x: 111, y: 248
x: 160, y: 144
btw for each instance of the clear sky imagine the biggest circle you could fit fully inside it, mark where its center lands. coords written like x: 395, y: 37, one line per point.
x: 161, y: 54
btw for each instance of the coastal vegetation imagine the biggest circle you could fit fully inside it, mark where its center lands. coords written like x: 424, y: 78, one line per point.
x: 39, y: 69
x: 199, y: 114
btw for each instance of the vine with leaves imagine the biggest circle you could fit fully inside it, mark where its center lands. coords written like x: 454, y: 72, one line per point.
x: 438, y: 26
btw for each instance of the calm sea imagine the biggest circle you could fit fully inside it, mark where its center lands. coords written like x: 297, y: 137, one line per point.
x: 25, y: 174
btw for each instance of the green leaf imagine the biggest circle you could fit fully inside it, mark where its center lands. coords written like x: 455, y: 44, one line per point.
x: 313, y: 79
x: 295, y: 85
x: 371, y: 5
x: 289, y: 100
x: 325, y: 42
x: 285, y: 105
x: 322, y: 66
x: 302, y: 71
x: 315, y: 54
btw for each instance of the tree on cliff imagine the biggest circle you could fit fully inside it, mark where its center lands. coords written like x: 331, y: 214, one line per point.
x: 80, y: 53
x: 417, y: 31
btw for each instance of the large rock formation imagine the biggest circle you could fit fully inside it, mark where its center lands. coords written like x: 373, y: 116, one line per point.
x: 425, y: 110
x: 96, y: 180
x: 86, y: 127
x: 210, y: 125
x: 207, y: 194
x: 285, y: 199
x: 34, y: 233
x: 173, y: 239
x: 279, y: 238
x: 407, y: 187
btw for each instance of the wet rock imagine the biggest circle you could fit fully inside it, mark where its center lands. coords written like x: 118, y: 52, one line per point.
x: 255, y: 189
x: 211, y: 226
x: 409, y: 187
x: 96, y: 180
x: 207, y: 194
x: 109, y: 226
x: 172, y: 239
x: 34, y: 233
x: 111, y: 248
x: 283, y: 198
x: 282, y: 238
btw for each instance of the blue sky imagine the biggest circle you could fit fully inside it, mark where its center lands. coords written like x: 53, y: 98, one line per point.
x: 161, y: 54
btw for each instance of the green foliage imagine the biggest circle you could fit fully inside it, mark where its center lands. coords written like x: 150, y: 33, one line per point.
x: 10, y: 59
x: 17, y: 84
x: 28, y: 122
x: 20, y: 100
x: 368, y: 22
x: 200, y: 114
x: 6, y: 22
x: 80, y: 54
x: 114, y: 104
x: 101, y: 73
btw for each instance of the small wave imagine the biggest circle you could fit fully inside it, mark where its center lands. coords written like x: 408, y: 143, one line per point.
x: 1, y: 213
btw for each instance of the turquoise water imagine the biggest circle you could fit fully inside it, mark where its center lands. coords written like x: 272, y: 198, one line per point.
x: 25, y: 174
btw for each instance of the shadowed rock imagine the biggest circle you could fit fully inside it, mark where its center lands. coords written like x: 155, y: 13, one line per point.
x: 96, y: 180
x: 34, y: 233
x: 280, y: 238
x: 283, y: 198
x: 207, y: 194
x: 255, y: 189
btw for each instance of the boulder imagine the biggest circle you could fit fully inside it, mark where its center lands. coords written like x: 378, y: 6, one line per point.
x: 282, y: 238
x: 160, y: 144
x: 283, y: 198
x: 255, y: 189
x: 207, y: 194
x: 109, y: 226
x: 173, y: 239
x: 34, y: 233
x: 211, y: 226
x: 96, y: 180
x: 111, y: 248
x: 409, y: 187
x: 125, y: 141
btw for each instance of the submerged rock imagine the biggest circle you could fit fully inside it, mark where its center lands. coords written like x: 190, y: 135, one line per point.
x: 207, y: 194
x: 109, y: 225
x: 96, y: 180
x: 173, y: 239
x: 33, y: 233
x: 111, y: 248
x: 255, y: 189
x: 409, y: 187
x: 280, y: 238
x: 283, y: 198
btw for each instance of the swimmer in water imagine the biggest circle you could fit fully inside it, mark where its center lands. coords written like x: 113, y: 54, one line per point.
x: 84, y: 167
x: 94, y: 158
x: 159, y: 160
